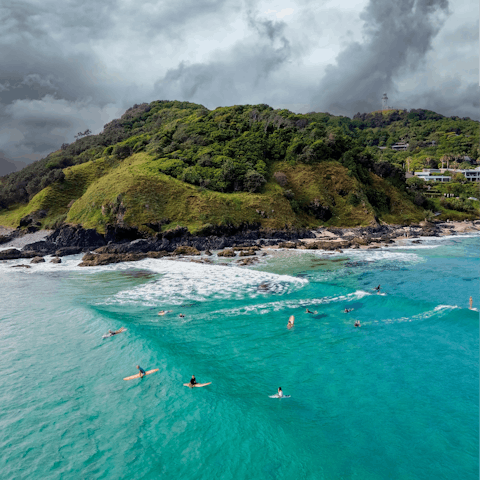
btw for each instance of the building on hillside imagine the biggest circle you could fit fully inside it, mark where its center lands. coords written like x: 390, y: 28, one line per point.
x: 400, y: 146
x: 427, y: 174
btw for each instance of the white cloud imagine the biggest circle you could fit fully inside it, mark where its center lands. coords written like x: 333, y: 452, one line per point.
x: 285, y: 12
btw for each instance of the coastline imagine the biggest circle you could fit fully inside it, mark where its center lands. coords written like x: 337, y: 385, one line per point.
x: 244, y: 247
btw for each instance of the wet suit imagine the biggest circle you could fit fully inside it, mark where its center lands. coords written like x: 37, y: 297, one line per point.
x: 193, y: 381
x: 142, y: 371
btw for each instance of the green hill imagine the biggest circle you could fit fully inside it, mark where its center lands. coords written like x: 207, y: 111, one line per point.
x: 178, y: 163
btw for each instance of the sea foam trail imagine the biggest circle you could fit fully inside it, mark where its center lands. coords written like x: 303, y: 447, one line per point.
x: 186, y: 281
x: 269, y: 307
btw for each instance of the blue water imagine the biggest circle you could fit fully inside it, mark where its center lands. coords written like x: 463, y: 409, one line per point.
x: 397, y: 398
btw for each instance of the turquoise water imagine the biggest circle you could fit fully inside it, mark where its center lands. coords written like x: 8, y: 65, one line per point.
x: 394, y: 399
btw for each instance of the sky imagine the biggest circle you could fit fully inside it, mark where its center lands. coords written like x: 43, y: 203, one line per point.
x: 70, y: 66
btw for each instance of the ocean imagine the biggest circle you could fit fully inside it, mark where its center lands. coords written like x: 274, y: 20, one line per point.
x: 397, y: 398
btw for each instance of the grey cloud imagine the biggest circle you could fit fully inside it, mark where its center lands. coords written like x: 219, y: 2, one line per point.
x: 397, y: 35
x: 236, y: 76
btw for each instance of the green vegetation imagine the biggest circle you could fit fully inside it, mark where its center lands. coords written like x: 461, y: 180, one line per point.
x: 177, y: 163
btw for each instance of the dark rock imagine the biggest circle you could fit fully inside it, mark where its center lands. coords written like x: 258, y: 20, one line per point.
x: 92, y: 259
x: 64, y: 251
x: 247, y: 253
x: 119, y: 233
x: 14, y: 253
x: 37, y: 260
x: 208, y: 252
x: 33, y: 217
x: 319, y: 211
x: 160, y: 254
x: 226, y: 253
x: 247, y: 261
x: 75, y: 236
x: 56, y: 260
x: 43, y: 247
x: 21, y: 266
x: 281, y: 178
x: 185, y: 250
x: 287, y: 245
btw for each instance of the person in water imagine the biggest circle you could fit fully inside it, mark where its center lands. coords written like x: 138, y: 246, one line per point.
x: 142, y: 371
x: 280, y: 392
x: 181, y: 315
x: 357, y: 323
x: 377, y: 289
x: 111, y: 332
x: 347, y: 310
x: 291, y: 321
x: 193, y: 380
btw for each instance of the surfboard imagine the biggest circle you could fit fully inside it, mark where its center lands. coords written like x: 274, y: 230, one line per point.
x: 108, y: 335
x: 291, y: 321
x: 138, y: 374
x: 277, y: 396
x: 197, y: 384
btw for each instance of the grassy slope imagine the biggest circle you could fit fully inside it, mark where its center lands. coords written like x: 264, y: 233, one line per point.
x: 136, y: 187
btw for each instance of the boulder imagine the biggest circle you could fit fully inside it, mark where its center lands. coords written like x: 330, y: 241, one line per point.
x: 160, y: 254
x: 14, y: 253
x: 21, y: 266
x: 208, y: 252
x: 64, y: 251
x: 37, y: 260
x: 93, y: 260
x: 76, y: 236
x: 287, y: 245
x: 247, y: 261
x: 56, y: 260
x: 226, y: 253
x: 247, y: 253
x: 185, y: 250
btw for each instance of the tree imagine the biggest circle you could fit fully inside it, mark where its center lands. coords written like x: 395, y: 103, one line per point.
x: 415, y: 183
x: 459, y: 178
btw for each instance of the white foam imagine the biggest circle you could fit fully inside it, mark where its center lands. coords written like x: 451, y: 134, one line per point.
x: 445, y: 307
x: 287, y: 305
x: 186, y: 281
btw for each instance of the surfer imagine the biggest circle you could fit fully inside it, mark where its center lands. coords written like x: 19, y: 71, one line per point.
x: 291, y: 321
x: 357, y: 323
x: 193, y: 381
x: 377, y: 289
x: 181, y: 315
x: 142, y: 371
x: 471, y: 302
x: 348, y: 310
x: 280, y: 392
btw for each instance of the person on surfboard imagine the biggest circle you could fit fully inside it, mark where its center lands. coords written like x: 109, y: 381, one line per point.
x: 357, y: 323
x: 347, y: 310
x: 280, y: 392
x: 142, y: 371
x: 193, y: 380
x: 377, y: 289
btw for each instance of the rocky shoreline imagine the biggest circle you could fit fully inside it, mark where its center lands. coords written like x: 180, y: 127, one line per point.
x: 126, y: 245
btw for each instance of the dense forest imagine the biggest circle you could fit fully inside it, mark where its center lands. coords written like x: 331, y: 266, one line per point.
x: 233, y: 149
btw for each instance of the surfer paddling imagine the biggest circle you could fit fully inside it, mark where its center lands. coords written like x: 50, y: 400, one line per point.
x: 142, y: 371
x: 308, y: 311
x: 348, y: 310
x: 357, y: 323
x: 291, y: 321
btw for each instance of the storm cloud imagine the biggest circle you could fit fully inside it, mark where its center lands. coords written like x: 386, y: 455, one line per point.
x: 71, y: 66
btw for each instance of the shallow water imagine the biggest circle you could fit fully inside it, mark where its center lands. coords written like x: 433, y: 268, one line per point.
x: 396, y: 398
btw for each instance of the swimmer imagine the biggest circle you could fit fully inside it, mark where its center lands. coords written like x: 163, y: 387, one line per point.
x: 181, y: 315
x: 291, y: 321
x: 357, y: 323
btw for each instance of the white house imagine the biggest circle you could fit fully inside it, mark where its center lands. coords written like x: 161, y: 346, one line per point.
x: 426, y: 174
